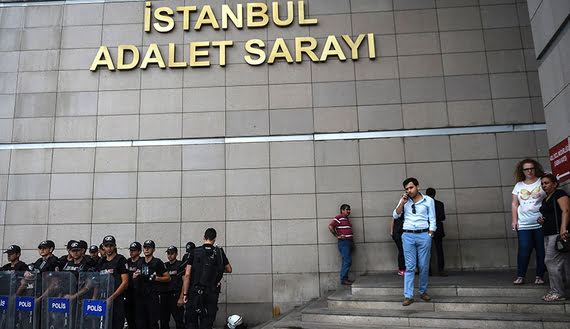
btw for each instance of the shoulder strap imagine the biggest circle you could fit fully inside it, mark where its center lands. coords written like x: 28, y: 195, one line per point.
x: 555, y: 215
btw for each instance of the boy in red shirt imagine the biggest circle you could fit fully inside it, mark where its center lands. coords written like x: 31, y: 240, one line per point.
x: 341, y: 228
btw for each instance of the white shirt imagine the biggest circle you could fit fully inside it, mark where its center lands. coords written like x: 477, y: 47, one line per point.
x: 530, y: 198
x: 424, y: 216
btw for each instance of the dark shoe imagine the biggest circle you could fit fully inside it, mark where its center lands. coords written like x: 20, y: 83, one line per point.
x: 425, y: 296
x: 407, y: 301
x: 346, y: 282
x: 442, y: 273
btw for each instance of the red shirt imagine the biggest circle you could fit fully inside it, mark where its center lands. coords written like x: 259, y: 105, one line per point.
x: 342, y: 226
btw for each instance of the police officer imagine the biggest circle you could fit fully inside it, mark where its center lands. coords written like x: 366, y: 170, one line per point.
x: 151, y: 271
x: 116, y: 265
x: 132, y: 263
x: 170, y: 292
x: 63, y: 260
x: 47, y: 261
x: 15, y: 264
x: 205, y: 269
x: 78, y: 263
x: 189, y: 249
x: 94, y: 253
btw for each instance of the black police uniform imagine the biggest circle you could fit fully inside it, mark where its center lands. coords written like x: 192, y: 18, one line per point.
x: 20, y: 266
x: 116, y: 267
x: 202, y: 303
x: 130, y: 301
x: 50, y: 264
x: 62, y: 261
x: 169, y: 295
x: 146, y: 293
x: 82, y: 266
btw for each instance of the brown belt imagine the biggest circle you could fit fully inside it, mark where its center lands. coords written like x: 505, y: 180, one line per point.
x: 416, y: 231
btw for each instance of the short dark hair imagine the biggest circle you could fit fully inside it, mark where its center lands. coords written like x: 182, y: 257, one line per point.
x: 551, y: 177
x: 430, y: 192
x: 410, y: 180
x: 210, y: 234
x: 344, y: 206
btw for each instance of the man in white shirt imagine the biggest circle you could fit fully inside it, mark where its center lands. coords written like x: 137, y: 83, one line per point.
x: 419, y: 228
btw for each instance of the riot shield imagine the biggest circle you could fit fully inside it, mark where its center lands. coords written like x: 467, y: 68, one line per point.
x: 25, y: 290
x: 58, y: 300
x: 6, y: 304
x: 95, y: 312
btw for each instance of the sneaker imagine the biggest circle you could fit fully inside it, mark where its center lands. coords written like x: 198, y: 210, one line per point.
x: 346, y: 282
x: 401, y: 273
x: 407, y: 301
x: 425, y: 296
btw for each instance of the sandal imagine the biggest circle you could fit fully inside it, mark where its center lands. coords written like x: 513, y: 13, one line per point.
x: 538, y: 281
x: 553, y: 298
x: 518, y: 281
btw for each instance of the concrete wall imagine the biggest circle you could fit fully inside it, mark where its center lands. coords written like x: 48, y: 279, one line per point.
x: 441, y: 64
x: 550, y: 31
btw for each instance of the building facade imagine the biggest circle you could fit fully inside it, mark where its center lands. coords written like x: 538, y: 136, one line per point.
x: 149, y: 121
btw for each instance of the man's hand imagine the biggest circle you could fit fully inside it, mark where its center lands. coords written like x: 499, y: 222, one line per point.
x: 515, y: 225
x: 431, y: 233
x: 180, y: 302
x: 540, y: 220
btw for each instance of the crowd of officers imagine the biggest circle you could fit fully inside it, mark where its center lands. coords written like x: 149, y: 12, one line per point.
x: 147, y: 290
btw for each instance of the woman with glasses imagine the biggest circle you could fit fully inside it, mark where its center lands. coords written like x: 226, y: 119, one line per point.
x: 527, y: 198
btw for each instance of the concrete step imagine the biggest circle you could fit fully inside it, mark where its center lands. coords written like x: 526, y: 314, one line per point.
x: 343, y: 299
x: 489, y: 283
x: 319, y: 325
x: 422, y: 319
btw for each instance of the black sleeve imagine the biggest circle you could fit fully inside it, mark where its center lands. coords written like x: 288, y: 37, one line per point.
x: 159, y: 267
x: 224, y: 258
x: 442, y: 210
x: 21, y: 266
x: 122, y: 267
x: 5, y: 267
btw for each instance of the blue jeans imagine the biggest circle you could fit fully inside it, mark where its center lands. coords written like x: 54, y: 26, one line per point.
x: 528, y: 240
x: 416, y: 244
x: 345, y: 246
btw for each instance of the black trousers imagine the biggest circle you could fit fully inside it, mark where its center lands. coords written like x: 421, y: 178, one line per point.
x: 438, y: 242
x: 169, y: 307
x: 130, y: 310
x: 401, y: 261
x: 210, y: 305
x: 147, y: 311
x: 118, y: 313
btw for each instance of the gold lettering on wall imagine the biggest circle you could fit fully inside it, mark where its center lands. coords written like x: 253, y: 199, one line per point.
x: 255, y: 14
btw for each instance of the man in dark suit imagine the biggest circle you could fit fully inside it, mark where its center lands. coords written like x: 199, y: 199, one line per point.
x: 439, y: 233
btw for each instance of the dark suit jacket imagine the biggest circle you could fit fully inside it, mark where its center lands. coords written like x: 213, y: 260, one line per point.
x: 439, y: 218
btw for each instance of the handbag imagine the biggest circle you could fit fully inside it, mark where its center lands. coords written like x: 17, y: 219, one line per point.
x: 560, y: 245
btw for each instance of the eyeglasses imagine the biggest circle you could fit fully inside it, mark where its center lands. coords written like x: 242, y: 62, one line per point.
x: 414, y: 208
x: 528, y: 169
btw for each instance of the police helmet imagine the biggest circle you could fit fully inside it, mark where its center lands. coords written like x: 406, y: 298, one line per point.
x: 234, y: 321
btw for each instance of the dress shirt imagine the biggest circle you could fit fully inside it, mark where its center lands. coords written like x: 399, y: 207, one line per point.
x: 424, y: 216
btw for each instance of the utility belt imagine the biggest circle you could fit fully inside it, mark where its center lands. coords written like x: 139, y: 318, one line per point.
x: 200, y: 290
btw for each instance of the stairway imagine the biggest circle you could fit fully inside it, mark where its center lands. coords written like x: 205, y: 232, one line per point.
x: 461, y: 300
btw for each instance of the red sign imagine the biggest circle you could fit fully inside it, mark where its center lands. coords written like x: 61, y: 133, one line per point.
x: 560, y: 160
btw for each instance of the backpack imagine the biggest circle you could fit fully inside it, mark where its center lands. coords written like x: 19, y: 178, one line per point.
x: 207, y: 268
